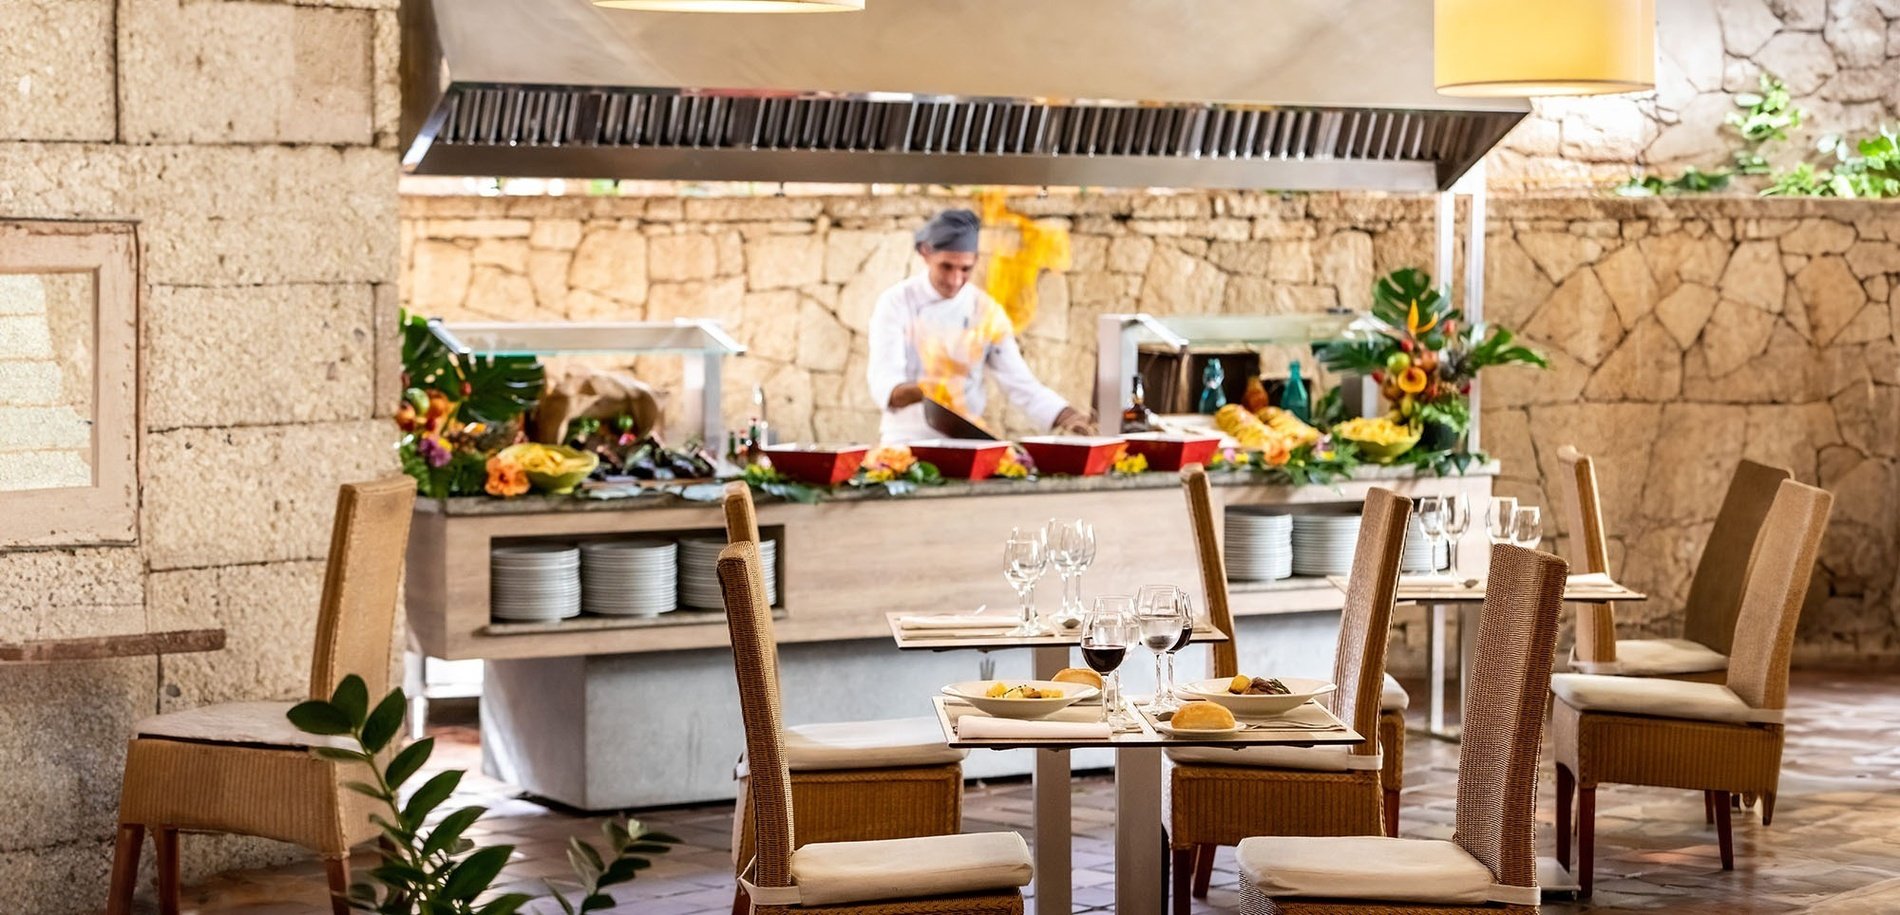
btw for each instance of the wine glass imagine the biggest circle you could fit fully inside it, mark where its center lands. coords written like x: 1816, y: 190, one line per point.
x: 1431, y: 522
x: 1025, y: 557
x: 1162, y: 617
x: 1188, y: 621
x: 1527, y: 527
x: 1070, y: 543
x: 1457, y: 521
x: 1106, y: 634
x: 1498, y: 520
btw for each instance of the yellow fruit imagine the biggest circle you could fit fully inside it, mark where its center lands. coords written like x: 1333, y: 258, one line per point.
x: 996, y: 690
x: 1239, y: 685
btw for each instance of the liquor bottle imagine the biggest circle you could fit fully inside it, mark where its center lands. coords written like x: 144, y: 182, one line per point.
x: 1213, y: 379
x: 1294, y: 399
x: 1136, y: 417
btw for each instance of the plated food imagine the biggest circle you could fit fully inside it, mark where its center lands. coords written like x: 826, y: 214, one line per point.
x: 1244, y: 685
x: 1248, y: 704
x: 1020, y: 698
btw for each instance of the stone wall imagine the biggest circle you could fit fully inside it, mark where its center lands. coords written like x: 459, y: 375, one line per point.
x: 1839, y: 58
x: 1684, y: 334
x: 254, y: 143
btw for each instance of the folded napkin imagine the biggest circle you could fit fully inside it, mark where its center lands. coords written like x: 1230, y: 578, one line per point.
x: 1592, y: 580
x: 954, y: 621
x: 984, y: 727
x: 1309, y: 716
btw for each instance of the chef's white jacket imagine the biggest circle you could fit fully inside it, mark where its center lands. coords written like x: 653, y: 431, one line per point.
x: 944, y: 345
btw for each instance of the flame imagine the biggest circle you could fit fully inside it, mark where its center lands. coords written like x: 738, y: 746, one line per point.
x: 1012, y: 275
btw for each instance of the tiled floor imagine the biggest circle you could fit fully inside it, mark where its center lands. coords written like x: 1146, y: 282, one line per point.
x: 1834, y: 847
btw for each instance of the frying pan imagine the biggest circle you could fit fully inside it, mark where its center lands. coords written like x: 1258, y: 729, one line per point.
x: 952, y: 424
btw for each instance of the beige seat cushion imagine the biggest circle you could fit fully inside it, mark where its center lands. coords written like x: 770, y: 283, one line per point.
x: 1394, y: 698
x: 1661, y: 657
x: 1309, y: 759
x: 868, y: 745
x: 258, y: 723
x: 1365, y: 867
x: 830, y: 873
x: 1657, y: 697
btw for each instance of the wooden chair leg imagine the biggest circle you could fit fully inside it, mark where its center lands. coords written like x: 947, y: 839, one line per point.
x: 338, y: 871
x: 1586, y: 837
x: 165, y: 852
x: 125, y: 868
x: 1708, y: 808
x: 741, y: 903
x: 1181, y: 872
x: 1724, y: 838
x: 1392, y: 812
x: 1767, y: 808
x: 1566, y: 795
x: 1203, y: 869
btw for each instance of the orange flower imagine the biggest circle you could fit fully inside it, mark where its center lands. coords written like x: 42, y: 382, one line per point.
x: 1277, y: 453
x: 895, y: 458
x: 505, y: 478
x: 1412, y: 325
x: 1412, y: 380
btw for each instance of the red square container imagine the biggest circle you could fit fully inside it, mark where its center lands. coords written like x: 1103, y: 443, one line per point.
x: 1172, y: 452
x: 1077, y: 455
x: 961, y: 458
x: 819, y: 465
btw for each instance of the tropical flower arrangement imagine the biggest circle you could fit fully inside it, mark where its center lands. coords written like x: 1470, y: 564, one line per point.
x: 458, y: 411
x: 892, y: 468
x: 1424, y: 355
x: 1128, y: 465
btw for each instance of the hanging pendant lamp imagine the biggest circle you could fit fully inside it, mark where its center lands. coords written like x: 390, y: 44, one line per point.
x: 735, y: 6
x: 1525, y: 48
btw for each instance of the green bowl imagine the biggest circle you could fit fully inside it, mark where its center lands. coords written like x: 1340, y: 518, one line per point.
x: 580, y: 464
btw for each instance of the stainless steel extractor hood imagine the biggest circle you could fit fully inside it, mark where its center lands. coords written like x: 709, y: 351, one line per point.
x: 1285, y: 94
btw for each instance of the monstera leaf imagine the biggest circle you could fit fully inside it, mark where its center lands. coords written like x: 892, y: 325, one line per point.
x: 427, y: 362
x: 496, y: 389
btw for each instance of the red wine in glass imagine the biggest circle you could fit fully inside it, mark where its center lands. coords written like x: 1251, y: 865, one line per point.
x: 1187, y: 632
x: 1103, y: 658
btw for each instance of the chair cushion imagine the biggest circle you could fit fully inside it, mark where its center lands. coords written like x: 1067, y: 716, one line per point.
x: 839, y: 872
x: 868, y: 745
x: 1394, y: 698
x: 1658, y: 697
x: 1309, y: 759
x: 259, y: 723
x: 1660, y: 657
x: 1365, y: 867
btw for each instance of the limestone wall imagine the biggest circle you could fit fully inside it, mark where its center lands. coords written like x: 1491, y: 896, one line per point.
x: 1684, y: 334
x: 254, y: 144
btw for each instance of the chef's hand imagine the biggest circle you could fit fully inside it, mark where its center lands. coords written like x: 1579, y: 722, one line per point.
x: 906, y: 394
x: 1074, y: 422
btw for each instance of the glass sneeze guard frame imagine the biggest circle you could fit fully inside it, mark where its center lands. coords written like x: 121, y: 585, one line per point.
x: 700, y: 342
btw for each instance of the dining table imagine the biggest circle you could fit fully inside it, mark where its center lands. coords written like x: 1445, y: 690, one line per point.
x: 1140, y: 859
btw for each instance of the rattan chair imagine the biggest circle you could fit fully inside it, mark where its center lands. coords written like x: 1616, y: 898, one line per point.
x: 241, y: 767
x: 854, y: 780
x: 1220, y: 796
x: 975, y: 873
x: 1720, y: 739
x: 1489, y: 865
x: 1715, y: 592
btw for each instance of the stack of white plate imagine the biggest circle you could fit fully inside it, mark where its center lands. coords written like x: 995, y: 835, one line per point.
x: 1323, y: 544
x: 699, y: 572
x: 537, y: 583
x: 1422, y: 555
x: 1259, y: 546
x: 629, y: 577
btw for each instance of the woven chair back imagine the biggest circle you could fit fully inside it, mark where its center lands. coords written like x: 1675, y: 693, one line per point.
x: 1359, y: 664
x: 755, y: 664
x: 1200, y: 500
x: 1504, y: 712
x: 1778, y: 577
x: 356, y: 619
x: 742, y: 520
x: 1589, y: 543
x: 1715, y: 593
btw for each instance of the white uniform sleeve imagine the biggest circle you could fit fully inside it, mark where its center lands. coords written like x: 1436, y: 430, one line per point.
x: 889, y: 364
x: 1031, y: 396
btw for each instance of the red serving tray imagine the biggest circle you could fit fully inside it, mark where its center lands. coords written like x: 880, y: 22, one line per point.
x: 819, y: 465
x: 1077, y: 455
x: 961, y: 459
x: 1172, y: 452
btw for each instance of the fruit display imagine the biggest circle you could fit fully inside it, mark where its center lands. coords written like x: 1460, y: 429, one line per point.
x: 554, y: 469
x: 1289, y: 426
x: 1254, y: 435
x: 1380, y: 439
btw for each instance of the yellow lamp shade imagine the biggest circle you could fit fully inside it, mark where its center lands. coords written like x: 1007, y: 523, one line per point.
x: 735, y: 6
x: 1544, y: 47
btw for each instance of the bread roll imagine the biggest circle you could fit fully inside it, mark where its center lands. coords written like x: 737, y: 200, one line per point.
x: 1080, y: 675
x: 1202, y: 716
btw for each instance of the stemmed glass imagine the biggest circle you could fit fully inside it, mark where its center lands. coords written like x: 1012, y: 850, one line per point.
x: 1499, y: 519
x: 1431, y: 520
x: 1527, y: 527
x: 1457, y: 521
x: 1106, y: 634
x: 1025, y: 558
x: 1071, y: 549
x: 1162, y: 612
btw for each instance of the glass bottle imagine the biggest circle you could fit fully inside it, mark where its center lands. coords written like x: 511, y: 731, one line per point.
x: 1294, y: 399
x: 1136, y: 417
x: 1213, y: 380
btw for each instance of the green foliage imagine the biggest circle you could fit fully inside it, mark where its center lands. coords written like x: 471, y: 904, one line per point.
x: 1309, y: 466
x: 1691, y: 181
x: 1499, y: 347
x: 486, y: 389
x: 1447, y: 411
x: 464, y: 475
x: 438, y: 871
x: 1765, y: 116
x: 1441, y: 463
x: 1869, y: 168
x: 769, y: 481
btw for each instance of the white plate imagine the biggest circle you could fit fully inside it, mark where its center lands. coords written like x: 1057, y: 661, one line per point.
x: 972, y: 691
x: 1197, y: 733
x: 1215, y: 691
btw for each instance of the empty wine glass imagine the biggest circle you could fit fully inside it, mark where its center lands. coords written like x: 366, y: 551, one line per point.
x: 1071, y: 543
x: 1527, y: 527
x: 1457, y: 521
x: 1024, y: 559
x: 1500, y: 517
x: 1162, y: 617
x: 1107, y: 632
x: 1431, y: 521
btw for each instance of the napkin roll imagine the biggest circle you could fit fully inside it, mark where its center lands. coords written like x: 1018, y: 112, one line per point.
x: 953, y: 621
x: 1592, y: 580
x: 984, y: 727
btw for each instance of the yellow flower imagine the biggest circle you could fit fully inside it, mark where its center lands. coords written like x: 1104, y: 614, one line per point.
x: 1129, y: 464
x: 880, y: 475
x: 1011, y: 469
x: 1412, y: 325
x: 1412, y: 380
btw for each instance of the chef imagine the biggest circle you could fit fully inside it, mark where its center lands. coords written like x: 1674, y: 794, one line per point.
x: 933, y: 335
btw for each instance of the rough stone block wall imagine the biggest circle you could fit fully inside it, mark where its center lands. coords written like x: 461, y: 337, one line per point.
x: 1684, y: 335
x: 254, y: 144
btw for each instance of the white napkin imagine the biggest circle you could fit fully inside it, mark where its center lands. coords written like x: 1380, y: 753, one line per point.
x: 1307, y: 716
x: 1592, y: 580
x: 954, y: 621
x: 984, y: 727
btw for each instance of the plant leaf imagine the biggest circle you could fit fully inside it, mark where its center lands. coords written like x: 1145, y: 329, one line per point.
x: 352, y: 699
x: 399, y: 874
x: 500, y: 388
x: 384, y: 722
x: 443, y: 836
x: 408, y: 761
x: 505, y: 904
x: 319, y: 717
x: 366, y: 789
x: 338, y: 754
x: 476, y: 872
x: 430, y: 796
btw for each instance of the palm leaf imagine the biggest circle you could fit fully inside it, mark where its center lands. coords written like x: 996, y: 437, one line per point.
x: 498, y: 388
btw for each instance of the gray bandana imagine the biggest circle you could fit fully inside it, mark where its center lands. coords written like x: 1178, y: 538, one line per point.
x: 951, y: 230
